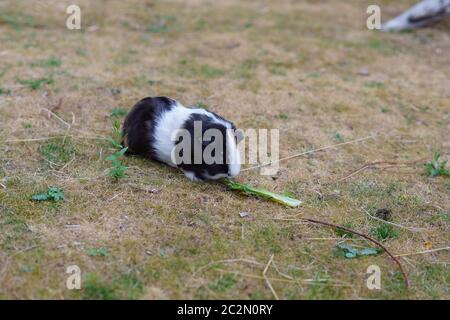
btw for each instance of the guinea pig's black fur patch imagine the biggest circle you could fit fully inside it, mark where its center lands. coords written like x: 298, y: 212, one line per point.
x: 202, y: 168
x: 138, y: 131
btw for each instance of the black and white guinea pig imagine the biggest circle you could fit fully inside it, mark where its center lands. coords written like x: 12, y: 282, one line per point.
x: 148, y: 131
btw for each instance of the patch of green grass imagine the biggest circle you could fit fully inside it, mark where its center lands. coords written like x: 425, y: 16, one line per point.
x: 374, y: 84
x: 314, y: 75
x: 321, y: 288
x: 12, y: 228
x: 266, y: 237
x: 126, y: 286
x: 223, y: 284
x: 202, y: 70
x: 16, y: 20
x: 393, y: 285
x: 51, y: 62
x: 376, y: 44
x: 58, y: 151
x: 436, y: 168
x: 98, y: 252
x: 35, y: 84
x: 210, y: 72
x: 384, y: 231
x: 247, y: 67
x: 445, y: 216
x: 340, y: 107
x: 118, y: 112
x: 277, y: 70
x: 424, y: 108
x: 200, y: 24
x: 433, y: 274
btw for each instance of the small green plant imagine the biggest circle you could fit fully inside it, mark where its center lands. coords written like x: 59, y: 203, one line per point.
x: 118, y: 170
x: 118, y: 112
x: 98, y: 252
x: 283, y: 116
x: 384, y: 231
x: 339, y: 137
x: 116, y: 134
x: 35, y: 84
x: 54, y: 194
x: 436, y: 167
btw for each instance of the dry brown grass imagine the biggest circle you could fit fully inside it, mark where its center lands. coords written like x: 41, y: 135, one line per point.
x: 291, y: 65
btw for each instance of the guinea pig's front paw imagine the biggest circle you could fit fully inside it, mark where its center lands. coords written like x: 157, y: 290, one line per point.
x: 192, y: 176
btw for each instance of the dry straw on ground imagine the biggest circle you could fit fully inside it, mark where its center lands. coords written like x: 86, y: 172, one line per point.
x: 311, y: 70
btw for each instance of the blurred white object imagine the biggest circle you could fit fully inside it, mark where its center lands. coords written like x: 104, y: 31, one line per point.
x: 423, y: 13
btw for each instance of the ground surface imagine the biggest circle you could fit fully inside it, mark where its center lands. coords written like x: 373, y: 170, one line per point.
x: 313, y: 71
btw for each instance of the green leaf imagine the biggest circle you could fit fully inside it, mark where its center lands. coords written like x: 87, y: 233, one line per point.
x: 351, y: 252
x: 122, y: 152
x: 53, y: 194
x: 111, y: 157
x: 40, y: 197
x: 98, y: 252
x: 368, y: 252
x: 263, y: 193
x: 118, y: 112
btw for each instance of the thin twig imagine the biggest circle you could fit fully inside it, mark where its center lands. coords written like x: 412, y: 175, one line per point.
x: 226, y: 261
x: 378, y: 163
x: 422, y: 252
x: 57, y: 117
x: 412, y: 229
x: 335, y: 226
x: 308, y: 152
x: 267, y: 279
x: 317, y: 281
x: 53, y: 137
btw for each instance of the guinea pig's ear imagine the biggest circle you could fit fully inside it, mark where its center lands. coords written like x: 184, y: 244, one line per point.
x: 239, y: 134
